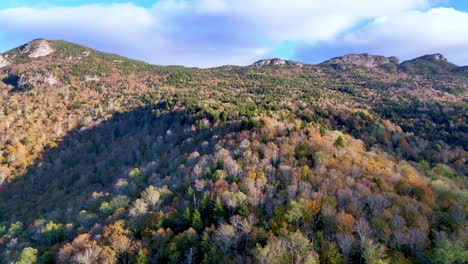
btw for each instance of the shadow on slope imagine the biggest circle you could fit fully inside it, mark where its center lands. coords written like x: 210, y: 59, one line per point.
x: 60, y: 183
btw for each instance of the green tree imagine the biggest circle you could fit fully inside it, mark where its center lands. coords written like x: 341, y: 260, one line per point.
x: 28, y: 256
x: 218, y: 209
x: 219, y: 175
x: 339, y: 142
x: 330, y: 254
x: 187, y: 216
x: 447, y: 251
x: 54, y: 232
x: 141, y: 257
x: 136, y: 176
x: 295, y: 212
x: 205, y: 242
x: 197, y: 222
x: 372, y: 253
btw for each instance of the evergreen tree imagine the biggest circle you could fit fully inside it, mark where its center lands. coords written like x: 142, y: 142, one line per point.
x: 187, y: 216
x: 218, y: 209
x: 197, y: 222
x: 339, y: 142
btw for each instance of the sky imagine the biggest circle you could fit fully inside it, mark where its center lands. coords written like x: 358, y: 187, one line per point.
x: 208, y: 33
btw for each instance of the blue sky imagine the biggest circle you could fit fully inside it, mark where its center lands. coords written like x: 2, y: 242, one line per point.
x: 206, y: 33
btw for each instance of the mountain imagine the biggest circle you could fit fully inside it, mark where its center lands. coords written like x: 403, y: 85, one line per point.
x: 104, y: 159
x: 363, y: 60
x: 276, y: 62
x: 429, y: 64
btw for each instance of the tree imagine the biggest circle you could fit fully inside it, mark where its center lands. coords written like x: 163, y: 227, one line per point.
x: 107, y: 256
x: 344, y: 222
x: 372, y: 253
x: 346, y: 242
x: 87, y: 256
x: 28, y: 256
x: 233, y: 200
x: 295, y: 212
x: 339, y: 142
x: 274, y: 252
x: 363, y: 229
x: 117, y: 238
x: 219, y: 175
x: 225, y: 237
x: 291, y: 248
x: 218, y: 209
x: 136, y: 176
x: 299, y: 248
x: 330, y: 253
x: 53, y: 232
x: 82, y: 250
x: 187, y: 216
x: 153, y: 196
x: 447, y: 251
x: 141, y: 257
x: 253, y: 185
x: 138, y: 208
x: 197, y: 222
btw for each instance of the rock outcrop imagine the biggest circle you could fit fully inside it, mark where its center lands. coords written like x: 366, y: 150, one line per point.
x: 437, y: 57
x: 37, y: 48
x: 28, y: 81
x: 362, y: 60
x: 3, y: 62
x: 276, y: 62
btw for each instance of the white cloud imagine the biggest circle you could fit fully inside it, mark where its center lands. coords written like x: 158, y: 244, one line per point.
x: 206, y: 32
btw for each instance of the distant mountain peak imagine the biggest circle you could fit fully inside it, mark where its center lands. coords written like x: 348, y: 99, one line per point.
x: 434, y: 57
x: 430, y: 64
x: 37, y: 48
x: 276, y: 62
x: 364, y: 59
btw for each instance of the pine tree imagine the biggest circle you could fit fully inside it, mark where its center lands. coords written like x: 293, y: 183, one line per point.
x: 218, y: 209
x: 197, y: 222
x: 205, y: 242
x: 187, y: 216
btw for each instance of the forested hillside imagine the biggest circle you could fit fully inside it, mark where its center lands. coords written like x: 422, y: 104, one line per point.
x: 103, y: 159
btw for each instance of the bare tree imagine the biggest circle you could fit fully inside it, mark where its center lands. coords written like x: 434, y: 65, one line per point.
x: 87, y: 256
x: 346, y: 243
x: 363, y: 229
x: 225, y: 236
x: 377, y: 203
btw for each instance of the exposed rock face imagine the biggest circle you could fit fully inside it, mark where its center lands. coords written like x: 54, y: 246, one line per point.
x: 276, y: 62
x: 434, y: 57
x: 3, y: 62
x: 89, y: 78
x: 37, y: 48
x: 49, y: 79
x: 26, y: 82
x: 363, y: 60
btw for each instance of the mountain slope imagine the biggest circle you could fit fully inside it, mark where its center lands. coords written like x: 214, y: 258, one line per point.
x: 104, y: 159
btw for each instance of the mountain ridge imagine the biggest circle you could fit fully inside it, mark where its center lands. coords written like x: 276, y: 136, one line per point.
x: 357, y: 59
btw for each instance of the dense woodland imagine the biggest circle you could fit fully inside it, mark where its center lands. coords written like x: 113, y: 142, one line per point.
x: 109, y: 160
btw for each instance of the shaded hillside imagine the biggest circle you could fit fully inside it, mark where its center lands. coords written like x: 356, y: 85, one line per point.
x: 108, y: 160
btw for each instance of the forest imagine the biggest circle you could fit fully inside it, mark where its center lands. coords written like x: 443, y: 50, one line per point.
x: 104, y: 159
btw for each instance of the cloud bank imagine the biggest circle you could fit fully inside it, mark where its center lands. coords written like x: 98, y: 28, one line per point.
x: 208, y: 33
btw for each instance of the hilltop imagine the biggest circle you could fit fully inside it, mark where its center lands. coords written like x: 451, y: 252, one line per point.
x: 104, y: 159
